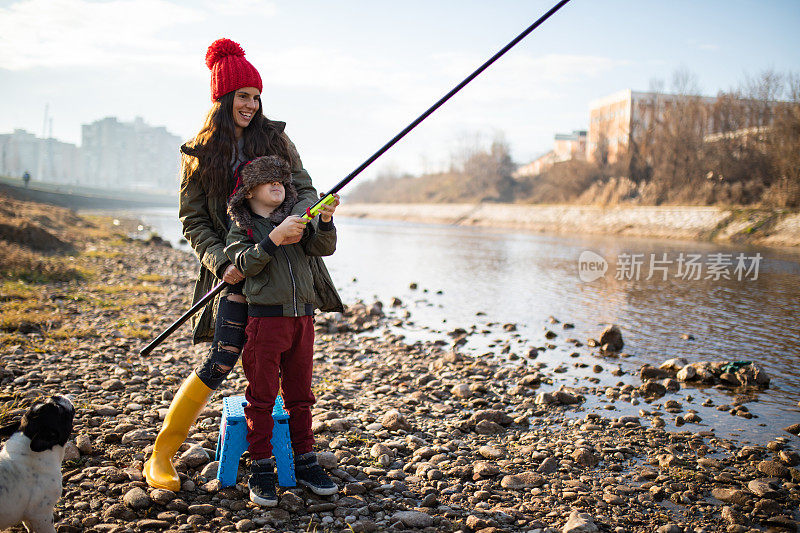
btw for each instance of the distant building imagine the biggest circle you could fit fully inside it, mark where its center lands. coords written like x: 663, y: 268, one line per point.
x: 45, y: 159
x: 614, y: 118
x: 570, y: 145
x: 566, y: 146
x: 129, y: 155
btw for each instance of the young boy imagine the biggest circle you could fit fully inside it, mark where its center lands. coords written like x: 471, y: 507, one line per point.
x: 280, y: 290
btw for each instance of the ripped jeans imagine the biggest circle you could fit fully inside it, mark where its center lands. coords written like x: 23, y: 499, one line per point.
x: 229, y: 337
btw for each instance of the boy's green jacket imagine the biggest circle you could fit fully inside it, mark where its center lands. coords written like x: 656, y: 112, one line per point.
x: 204, y: 220
x: 284, y: 275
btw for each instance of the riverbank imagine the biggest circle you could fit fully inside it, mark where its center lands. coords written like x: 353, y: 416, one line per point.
x: 754, y: 226
x: 428, y: 436
x: 82, y: 197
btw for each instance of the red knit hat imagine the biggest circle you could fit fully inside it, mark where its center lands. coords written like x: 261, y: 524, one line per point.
x: 229, y: 69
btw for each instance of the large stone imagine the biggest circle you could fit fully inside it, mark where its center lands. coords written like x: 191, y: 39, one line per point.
x: 687, y: 373
x: 71, y: 452
x: 119, y: 511
x: 394, y: 420
x: 653, y: 388
x: 566, y: 398
x: 415, y: 519
x: 327, y: 460
x: 462, y: 391
x: 789, y: 457
x: 584, y: 457
x: 84, y: 444
x: 731, y: 516
x: 487, y: 427
x: 137, y: 498
x: 193, y: 457
x: 545, y: 398
x: 794, y: 429
x: 492, y: 415
x: 673, y: 365
x: 548, y: 466
x: 292, y: 502
x: 138, y: 435
x: 162, y: 496
x: 525, y: 480
x: 773, y: 469
x: 202, y: 509
x: 651, y: 372
x: 729, y: 495
x: 485, y: 469
x: 491, y: 452
x: 210, y: 470
x: 579, y: 523
x: 612, y: 338
x: 761, y: 488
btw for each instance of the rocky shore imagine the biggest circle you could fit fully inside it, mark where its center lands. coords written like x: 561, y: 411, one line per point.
x: 419, y: 437
x: 755, y: 226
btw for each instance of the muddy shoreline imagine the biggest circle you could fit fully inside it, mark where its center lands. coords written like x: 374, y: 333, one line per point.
x: 752, y: 226
x: 419, y: 437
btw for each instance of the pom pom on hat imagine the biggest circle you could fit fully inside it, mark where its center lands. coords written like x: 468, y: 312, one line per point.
x: 229, y: 68
x: 222, y: 48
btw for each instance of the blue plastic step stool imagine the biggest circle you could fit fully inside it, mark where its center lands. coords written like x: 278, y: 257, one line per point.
x: 233, y: 441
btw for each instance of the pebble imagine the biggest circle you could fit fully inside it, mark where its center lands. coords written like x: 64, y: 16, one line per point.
x: 415, y: 519
x: 524, y: 480
x: 291, y: 502
x: 84, y: 444
x: 193, y: 457
x: 579, y: 523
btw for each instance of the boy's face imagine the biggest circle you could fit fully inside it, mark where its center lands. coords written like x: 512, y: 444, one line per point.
x: 268, y: 195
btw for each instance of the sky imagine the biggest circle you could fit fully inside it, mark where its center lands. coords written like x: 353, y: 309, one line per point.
x: 348, y: 75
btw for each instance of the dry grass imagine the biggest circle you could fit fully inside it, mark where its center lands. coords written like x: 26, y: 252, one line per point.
x: 131, y: 289
x: 153, y: 278
x: 101, y: 254
x: 16, y: 290
x: 26, y: 317
x: 18, y: 263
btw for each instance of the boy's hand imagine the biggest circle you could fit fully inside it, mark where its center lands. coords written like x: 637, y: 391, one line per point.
x: 326, y: 213
x: 289, y: 231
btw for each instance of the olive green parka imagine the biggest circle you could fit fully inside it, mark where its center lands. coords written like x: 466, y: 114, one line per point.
x: 205, y: 226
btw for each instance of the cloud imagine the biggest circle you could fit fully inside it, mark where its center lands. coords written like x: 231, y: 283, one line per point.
x: 72, y: 33
x: 516, y: 77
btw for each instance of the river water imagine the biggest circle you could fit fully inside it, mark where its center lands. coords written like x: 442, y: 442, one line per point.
x: 735, y: 302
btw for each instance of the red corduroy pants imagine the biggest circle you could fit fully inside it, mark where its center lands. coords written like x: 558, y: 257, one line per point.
x: 278, y: 354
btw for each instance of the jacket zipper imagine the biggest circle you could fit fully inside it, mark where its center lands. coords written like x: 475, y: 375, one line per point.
x: 294, y: 286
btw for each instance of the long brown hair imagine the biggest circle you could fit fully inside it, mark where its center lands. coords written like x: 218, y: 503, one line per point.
x: 211, y: 151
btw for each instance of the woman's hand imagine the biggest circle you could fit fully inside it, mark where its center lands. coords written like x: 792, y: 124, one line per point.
x: 232, y: 275
x: 289, y: 231
x: 326, y: 213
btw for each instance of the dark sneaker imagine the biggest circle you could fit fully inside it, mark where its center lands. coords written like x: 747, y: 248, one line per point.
x: 308, y: 472
x: 262, y: 485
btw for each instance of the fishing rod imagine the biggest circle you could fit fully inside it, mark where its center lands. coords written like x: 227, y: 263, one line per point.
x: 328, y: 197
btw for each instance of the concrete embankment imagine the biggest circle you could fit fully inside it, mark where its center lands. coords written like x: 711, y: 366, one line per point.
x: 81, y: 197
x: 757, y: 226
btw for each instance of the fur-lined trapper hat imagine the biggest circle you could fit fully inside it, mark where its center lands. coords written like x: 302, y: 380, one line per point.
x: 261, y: 170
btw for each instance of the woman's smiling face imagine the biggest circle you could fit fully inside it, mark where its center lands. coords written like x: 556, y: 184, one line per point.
x: 245, y: 104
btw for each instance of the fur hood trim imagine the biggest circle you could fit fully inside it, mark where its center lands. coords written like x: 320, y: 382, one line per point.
x: 259, y: 171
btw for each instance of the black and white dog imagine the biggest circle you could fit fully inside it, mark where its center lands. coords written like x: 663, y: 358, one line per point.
x: 30, y: 464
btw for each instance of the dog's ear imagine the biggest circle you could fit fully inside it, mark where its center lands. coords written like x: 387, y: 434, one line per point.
x: 9, y: 429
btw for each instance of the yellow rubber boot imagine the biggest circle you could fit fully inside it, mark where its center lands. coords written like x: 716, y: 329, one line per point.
x: 187, y: 404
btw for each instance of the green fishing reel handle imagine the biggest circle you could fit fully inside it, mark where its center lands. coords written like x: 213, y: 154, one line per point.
x: 315, y: 209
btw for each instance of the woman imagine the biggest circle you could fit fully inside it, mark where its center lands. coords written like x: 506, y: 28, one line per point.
x: 235, y: 131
